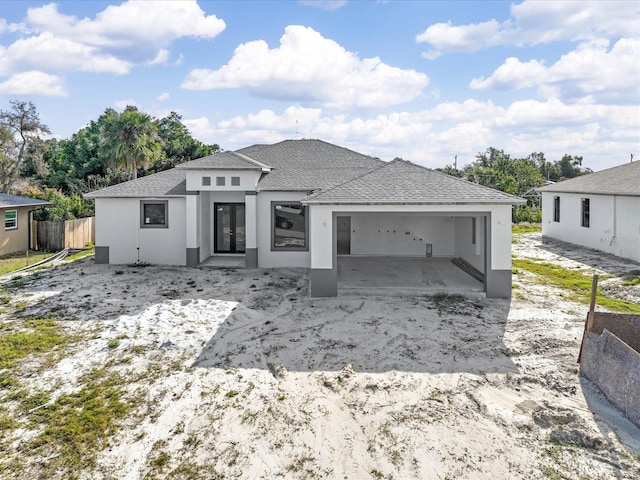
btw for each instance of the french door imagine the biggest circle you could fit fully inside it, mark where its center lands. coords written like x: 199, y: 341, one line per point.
x: 229, y: 232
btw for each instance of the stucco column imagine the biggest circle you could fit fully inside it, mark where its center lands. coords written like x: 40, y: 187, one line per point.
x: 251, y: 229
x: 192, y: 216
x: 324, y: 271
x: 498, y: 274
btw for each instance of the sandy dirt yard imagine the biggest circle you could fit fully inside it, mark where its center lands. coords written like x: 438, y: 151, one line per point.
x: 238, y: 374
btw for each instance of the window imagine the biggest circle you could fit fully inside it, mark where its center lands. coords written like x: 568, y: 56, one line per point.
x: 235, y: 181
x: 206, y: 181
x: 556, y: 209
x: 290, y: 226
x: 585, y: 212
x: 220, y: 181
x: 10, y: 219
x: 473, y: 230
x: 154, y: 214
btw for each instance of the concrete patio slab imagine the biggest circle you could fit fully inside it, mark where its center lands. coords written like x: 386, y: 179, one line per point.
x: 379, y: 275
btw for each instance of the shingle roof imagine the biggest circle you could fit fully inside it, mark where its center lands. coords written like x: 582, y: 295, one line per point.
x: 7, y: 201
x: 621, y: 180
x: 224, y: 161
x: 402, y: 182
x: 169, y: 183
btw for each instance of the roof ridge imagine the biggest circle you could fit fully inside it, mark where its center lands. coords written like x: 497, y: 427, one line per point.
x: 472, y: 183
x: 247, y: 158
x: 375, y: 169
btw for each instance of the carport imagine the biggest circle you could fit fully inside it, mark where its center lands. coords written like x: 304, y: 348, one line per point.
x: 398, y: 228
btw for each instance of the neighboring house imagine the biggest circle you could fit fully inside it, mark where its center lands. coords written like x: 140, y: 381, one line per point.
x: 16, y: 215
x: 600, y: 210
x: 301, y: 203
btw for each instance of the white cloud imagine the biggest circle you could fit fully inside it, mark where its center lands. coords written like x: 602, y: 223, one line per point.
x: 603, y: 134
x: 117, y: 39
x: 311, y: 69
x: 163, y: 96
x: 324, y: 4
x: 535, y: 22
x: 33, y: 83
x: 590, y: 70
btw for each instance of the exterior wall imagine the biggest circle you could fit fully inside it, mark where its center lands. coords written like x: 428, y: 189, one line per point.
x: 267, y: 258
x: 464, y: 248
x: 248, y: 180
x: 206, y: 225
x: 395, y: 234
x: 614, y: 223
x: 118, y: 228
x: 17, y: 239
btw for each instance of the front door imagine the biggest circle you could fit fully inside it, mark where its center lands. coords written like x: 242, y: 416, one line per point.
x: 230, y: 229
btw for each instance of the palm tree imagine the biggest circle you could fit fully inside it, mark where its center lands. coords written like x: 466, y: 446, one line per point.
x: 130, y: 140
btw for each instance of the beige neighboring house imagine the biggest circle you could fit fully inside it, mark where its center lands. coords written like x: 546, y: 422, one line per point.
x: 16, y: 217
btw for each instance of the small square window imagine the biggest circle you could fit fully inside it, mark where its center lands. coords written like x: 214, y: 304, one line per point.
x: 220, y: 181
x: 206, y: 181
x: 235, y: 181
x: 154, y: 214
x: 10, y: 219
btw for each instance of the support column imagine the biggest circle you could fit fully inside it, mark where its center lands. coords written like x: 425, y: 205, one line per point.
x: 498, y: 271
x: 324, y: 270
x: 251, y: 229
x: 192, y: 217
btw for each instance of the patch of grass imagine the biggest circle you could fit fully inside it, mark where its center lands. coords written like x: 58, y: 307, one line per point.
x: 231, y: 394
x: 16, y: 261
x: 574, y: 282
x: 519, y: 228
x: 113, y: 343
x: 631, y: 282
x: 39, y: 336
x: 76, y: 426
x: 80, y: 255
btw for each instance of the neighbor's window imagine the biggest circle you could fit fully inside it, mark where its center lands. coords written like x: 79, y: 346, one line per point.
x: 206, y: 181
x: 556, y: 209
x: 154, y: 214
x: 235, y: 181
x: 289, y: 225
x: 585, y: 212
x: 220, y: 181
x: 10, y: 219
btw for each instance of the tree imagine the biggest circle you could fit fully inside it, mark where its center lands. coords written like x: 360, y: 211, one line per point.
x: 20, y: 135
x: 23, y: 123
x: 130, y: 140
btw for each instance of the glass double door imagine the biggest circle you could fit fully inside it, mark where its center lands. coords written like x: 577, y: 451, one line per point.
x: 230, y: 228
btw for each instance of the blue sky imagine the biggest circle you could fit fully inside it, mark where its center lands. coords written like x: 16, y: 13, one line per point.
x: 421, y: 80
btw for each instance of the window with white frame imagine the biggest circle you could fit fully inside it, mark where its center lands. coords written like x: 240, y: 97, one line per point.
x: 154, y: 214
x: 289, y: 225
x: 235, y: 181
x: 206, y: 181
x: 10, y: 219
x: 220, y: 182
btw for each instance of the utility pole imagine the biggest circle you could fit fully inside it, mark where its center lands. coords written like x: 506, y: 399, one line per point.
x: 632, y: 157
x: 455, y: 162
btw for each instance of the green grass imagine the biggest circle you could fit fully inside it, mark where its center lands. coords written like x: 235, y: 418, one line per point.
x: 525, y: 228
x: 631, y: 282
x: 37, y: 337
x: 79, y: 255
x: 10, y: 263
x: 76, y: 426
x: 574, y: 282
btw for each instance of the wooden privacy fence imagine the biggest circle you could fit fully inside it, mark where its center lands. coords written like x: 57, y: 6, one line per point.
x: 54, y: 236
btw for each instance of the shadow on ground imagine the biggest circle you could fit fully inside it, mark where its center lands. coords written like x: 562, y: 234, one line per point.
x: 440, y: 334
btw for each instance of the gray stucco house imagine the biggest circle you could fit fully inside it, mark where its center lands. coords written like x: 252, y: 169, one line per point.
x: 305, y: 203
